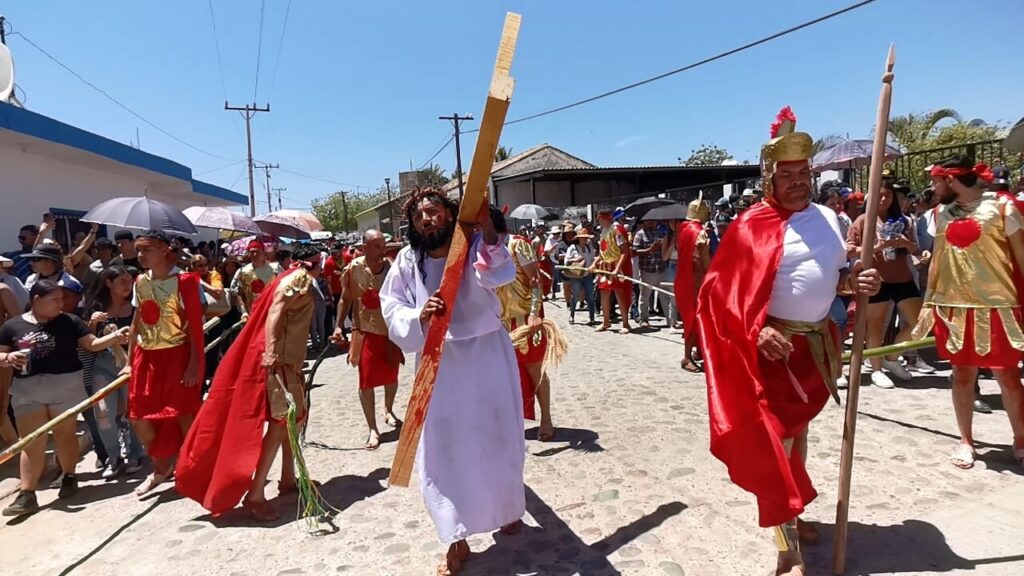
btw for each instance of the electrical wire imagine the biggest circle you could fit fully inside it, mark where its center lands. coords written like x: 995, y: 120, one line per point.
x: 708, y: 60
x: 280, y: 46
x: 322, y: 179
x: 106, y: 95
x: 220, y: 67
x: 259, y: 50
x: 444, y: 146
x: 224, y: 167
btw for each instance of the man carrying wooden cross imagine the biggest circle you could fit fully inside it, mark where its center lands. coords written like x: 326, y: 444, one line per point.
x: 472, y: 450
x: 771, y: 352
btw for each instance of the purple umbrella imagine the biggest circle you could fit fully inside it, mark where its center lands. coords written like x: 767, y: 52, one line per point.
x: 141, y: 214
x: 849, y: 154
x: 220, y: 218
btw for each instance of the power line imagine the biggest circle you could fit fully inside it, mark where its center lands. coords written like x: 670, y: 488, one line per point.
x: 321, y: 178
x: 718, y: 56
x: 443, y: 147
x: 115, y: 100
x: 259, y: 50
x: 224, y: 167
x: 280, y: 47
x: 216, y: 43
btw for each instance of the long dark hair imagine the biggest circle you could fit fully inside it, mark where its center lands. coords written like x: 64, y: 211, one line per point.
x: 103, y: 298
x: 894, y: 213
x: 416, y: 240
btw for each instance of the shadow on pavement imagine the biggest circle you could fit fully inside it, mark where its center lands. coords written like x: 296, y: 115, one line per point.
x: 913, y: 546
x: 578, y: 439
x: 385, y: 438
x: 554, y: 549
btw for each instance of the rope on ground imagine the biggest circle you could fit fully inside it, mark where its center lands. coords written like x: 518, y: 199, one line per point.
x: 618, y: 276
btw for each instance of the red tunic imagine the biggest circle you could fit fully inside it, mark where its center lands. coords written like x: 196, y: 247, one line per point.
x: 684, y: 284
x: 753, y: 404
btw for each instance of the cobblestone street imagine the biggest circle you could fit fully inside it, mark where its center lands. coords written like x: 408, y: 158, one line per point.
x: 627, y: 487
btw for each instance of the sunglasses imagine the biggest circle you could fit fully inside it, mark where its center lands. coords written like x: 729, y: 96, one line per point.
x: 22, y: 238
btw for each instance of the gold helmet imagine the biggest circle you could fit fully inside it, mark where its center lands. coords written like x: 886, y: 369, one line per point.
x: 698, y: 210
x: 786, y: 145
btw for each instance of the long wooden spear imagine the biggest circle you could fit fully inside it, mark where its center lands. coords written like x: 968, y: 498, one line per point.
x: 82, y: 406
x: 498, y: 98
x: 867, y: 251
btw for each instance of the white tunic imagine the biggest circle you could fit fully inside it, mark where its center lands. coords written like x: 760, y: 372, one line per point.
x: 472, y: 450
x: 813, y: 256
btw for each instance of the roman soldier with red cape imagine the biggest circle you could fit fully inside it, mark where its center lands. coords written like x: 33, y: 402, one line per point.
x: 771, y: 353
x: 225, y: 455
x: 693, y: 258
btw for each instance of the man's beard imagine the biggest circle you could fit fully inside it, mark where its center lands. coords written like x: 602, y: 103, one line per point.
x: 440, y: 238
x: 948, y: 198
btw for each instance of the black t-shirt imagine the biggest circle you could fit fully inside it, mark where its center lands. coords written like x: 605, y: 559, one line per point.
x: 53, y: 346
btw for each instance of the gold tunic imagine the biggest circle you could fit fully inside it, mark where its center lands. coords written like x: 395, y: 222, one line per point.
x: 973, y: 271
x: 161, y: 313
x: 609, y: 249
x: 287, y: 328
x: 250, y: 281
x: 365, y: 295
x: 517, y: 296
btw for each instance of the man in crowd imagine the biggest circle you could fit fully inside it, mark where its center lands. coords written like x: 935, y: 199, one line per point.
x: 647, y: 244
x: 771, y: 353
x: 614, y: 257
x: 167, y: 355
x: 333, y: 267
x: 371, y: 351
x: 522, y: 304
x: 253, y: 278
x: 972, y: 291
x: 27, y: 237
x: 227, y: 454
x: 125, y: 241
x: 472, y: 450
x: 540, y: 243
x: 693, y: 258
x: 47, y: 263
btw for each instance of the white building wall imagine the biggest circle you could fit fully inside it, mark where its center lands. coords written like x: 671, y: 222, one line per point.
x: 32, y: 184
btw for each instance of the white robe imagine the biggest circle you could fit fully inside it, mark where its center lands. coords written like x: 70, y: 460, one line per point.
x: 472, y: 450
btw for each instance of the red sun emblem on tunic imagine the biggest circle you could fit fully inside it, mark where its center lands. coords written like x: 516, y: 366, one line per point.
x: 604, y: 245
x: 257, y: 286
x: 371, y: 299
x: 963, y: 232
x: 149, y: 312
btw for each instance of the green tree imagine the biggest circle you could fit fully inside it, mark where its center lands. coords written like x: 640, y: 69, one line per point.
x: 503, y: 153
x: 337, y: 211
x: 917, y: 131
x: 433, y: 176
x: 826, y: 141
x: 707, y: 155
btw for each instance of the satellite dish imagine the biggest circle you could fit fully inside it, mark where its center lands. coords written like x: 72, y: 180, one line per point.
x: 6, y: 73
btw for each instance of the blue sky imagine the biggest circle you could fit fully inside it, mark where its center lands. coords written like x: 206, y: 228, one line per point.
x: 355, y: 88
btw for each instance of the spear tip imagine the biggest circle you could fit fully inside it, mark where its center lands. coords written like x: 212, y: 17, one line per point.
x: 890, y: 60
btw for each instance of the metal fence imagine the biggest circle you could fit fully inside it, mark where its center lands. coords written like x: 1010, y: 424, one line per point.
x: 912, y: 166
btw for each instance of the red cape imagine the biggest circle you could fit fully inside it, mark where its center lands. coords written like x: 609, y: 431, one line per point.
x: 1018, y: 274
x: 683, y: 283
x: 220, y: 452
x: 731, y: 311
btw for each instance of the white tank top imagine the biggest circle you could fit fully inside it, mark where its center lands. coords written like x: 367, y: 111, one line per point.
x: 813, y: 255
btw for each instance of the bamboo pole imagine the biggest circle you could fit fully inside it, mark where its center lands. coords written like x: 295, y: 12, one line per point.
x: 619, y: 276
x: 894, y: 349
x: 860, y: 327
x: 84, y: 405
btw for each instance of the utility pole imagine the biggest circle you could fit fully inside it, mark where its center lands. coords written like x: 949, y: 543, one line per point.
x: 3, y: 33
x: 279, y: 190
x: 457, y: 120
x: 266, y: 169
x: 391, y: 207
x: 248, y: 112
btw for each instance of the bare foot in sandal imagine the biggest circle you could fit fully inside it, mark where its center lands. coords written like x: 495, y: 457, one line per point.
x: 546, y: 432
x: 456, y: 556
x: 689, y: 366
x: 963, y: 457
x: 373, y: 441
x: 151, y: 482
x: 260, y: 510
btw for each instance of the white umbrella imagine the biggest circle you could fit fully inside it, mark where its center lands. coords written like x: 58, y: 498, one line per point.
x: 282, y: 226
x: 309, y: 221
x: 530, y: 212
x: 141, y: 214
x: 221, y: 218
x: 1015, y: 139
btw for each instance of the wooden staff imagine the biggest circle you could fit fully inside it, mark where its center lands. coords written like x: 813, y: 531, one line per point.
x: 867, y: 251
x: 619, y: 276
x: 499, y: 95
x: 77, y: 409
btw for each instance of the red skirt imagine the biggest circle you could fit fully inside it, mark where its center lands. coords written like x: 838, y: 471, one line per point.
x: 156, y: 393
x: 1001, y: 354
x: 534, y: 353
x: 611, y: 283
x: 547, y: 278
x: 376, y: 365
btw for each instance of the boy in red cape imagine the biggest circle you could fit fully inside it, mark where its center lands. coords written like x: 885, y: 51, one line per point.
x: 771, y: 352
x: 227, y: 454
x: 166, y: 354
x: 693, y: 257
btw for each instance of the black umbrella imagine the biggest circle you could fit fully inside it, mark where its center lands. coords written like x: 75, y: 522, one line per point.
x: 141, y: 213
x: 669, y: 212
x: 641, y: 206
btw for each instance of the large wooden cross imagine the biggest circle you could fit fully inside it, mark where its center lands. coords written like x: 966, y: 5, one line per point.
x: 499, y: 96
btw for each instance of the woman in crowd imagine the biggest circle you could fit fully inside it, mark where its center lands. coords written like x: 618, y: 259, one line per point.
x: 9, y: 308
x: 896, y: 239
x: 112, y: 310
x: 581, y: 284
x: 42, y: 346
x: 668, y: 252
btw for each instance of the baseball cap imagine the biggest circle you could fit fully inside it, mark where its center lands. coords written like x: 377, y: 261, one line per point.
x: 857, y: 196
x: 69, y: 282
x: 124, y: 235
x: 1001, y: 175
